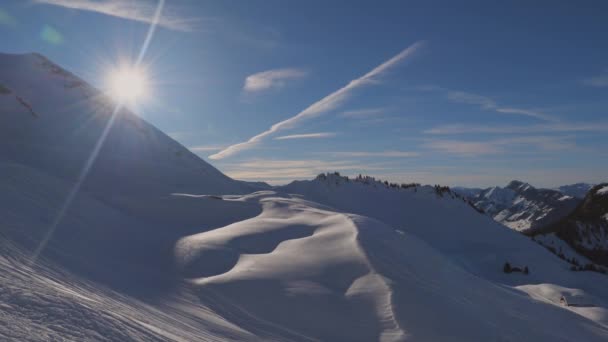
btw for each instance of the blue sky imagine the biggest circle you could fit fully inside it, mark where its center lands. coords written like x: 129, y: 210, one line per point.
x: 474, y: 93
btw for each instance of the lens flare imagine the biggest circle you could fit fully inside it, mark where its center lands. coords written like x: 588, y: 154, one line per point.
x: 140, y: 81
x: 127, y: 85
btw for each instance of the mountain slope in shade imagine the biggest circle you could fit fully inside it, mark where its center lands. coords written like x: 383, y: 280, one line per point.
x: 467, y: 192
x: 522, y: 207
x: 586, y: 228
x: 577, y: 190
x: 52, y: 120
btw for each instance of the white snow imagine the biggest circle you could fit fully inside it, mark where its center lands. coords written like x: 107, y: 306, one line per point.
x: 603, y: 191
x: 397, y: 277
x: 160, y: 246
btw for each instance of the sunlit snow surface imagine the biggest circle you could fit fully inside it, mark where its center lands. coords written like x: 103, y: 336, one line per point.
x: 303, y: 271
x: 160, y: 246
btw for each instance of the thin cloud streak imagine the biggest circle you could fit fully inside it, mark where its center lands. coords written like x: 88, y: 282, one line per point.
x: 548, y: 128
x: 472, y: 99
x: 206, y: 148
x: 136, y: 10
x: 500, y: 146
x: 363, y: 113
x: 328, y: 103
x: 282, y: 171
x: 469, y: 148
x: 598, y: 81
x: 307, y: 136
x: 386, y: 154
x: 486, y: 176
x: 489, y: 104
x: 311, y: 164
x: 272, y: 79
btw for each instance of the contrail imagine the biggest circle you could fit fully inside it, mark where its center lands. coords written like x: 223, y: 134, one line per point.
x: 324, y: 105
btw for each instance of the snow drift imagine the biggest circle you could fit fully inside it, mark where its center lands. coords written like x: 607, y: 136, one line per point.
x: 159, y: 245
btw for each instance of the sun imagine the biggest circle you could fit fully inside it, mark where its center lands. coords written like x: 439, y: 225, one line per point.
x: 128, y: 85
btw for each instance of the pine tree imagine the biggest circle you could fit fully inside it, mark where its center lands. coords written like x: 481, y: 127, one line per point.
x: 507, y: 268
x: 526, y: 271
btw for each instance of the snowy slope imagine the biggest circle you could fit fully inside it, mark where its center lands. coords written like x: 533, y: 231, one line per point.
x: 301, y: 271
x: 51, y: 120
x: 66, y: 293
x: 46, y: 303
x: 160, y: 246
x: 322, y: 274
x: 473, y: 241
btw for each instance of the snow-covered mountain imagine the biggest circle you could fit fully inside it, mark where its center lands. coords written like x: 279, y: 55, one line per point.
x: 578, y: 190
x: 586, y: 229
x: 521, y: 206
x: 52, y: 120
x: 50, y: 124
x: 467, y: 192
x: 160, y: 246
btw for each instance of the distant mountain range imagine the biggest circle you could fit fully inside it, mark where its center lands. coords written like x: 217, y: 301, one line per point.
x: 521, y: 206
x: 571, y: 220
x: 586, y: 228
x: 578, y: 190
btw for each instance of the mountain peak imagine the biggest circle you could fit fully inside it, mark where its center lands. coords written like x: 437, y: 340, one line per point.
x: 601, y: 189
x: 518, y: 185
x: 70, y: 118
x: 26, y: 57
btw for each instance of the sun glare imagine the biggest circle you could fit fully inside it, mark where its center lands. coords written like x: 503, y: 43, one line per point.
x: 128, y: 85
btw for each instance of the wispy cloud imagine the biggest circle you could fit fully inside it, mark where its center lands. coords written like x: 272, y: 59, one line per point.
x: 472, y: 99
x: 486, y: 175
x: 138, y: 10
x: 471, y: 148
x: 597, y: 81
x: 282, y: 171
x: 206, y: 148
x: 307, y: 136
x: 501, y: 146
x: 542, y: 128
x: 328, y: 103
x: 487, y: 103
x: 364, y: 154
x: 363, y: 113
x: 272, y: 79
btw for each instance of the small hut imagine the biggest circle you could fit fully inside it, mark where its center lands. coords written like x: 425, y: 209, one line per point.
x: 575, y: 300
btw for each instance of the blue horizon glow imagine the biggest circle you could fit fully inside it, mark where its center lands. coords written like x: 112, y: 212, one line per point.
x: 486, y: 93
